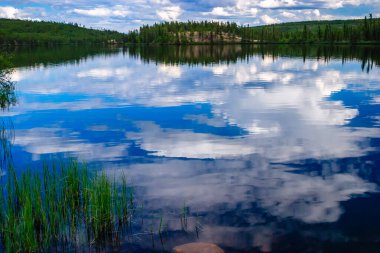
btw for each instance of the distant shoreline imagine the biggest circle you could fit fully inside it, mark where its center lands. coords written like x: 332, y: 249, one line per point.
x: 29, y: 45
x: 258, y: 43
x: 14, y: 32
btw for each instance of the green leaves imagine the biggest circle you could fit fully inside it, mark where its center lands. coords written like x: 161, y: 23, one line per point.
x: 60, y: 207
x: 24, y: 32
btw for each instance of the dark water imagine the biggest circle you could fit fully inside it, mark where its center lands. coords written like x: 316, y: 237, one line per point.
x: 272, y: 149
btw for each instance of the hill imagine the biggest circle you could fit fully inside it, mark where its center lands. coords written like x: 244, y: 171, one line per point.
x: 25, y: 32
x: 365, y: 30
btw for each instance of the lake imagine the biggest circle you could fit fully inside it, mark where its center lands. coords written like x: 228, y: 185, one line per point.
x: 254, y: 148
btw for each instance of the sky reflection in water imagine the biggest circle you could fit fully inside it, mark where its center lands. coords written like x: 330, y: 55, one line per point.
x: 250, y: 146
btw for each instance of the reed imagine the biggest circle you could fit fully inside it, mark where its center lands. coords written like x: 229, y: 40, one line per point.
x: 184, y: 216
x: 66, y: 207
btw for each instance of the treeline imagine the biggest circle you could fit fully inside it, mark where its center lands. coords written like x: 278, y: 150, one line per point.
x: 186, y: 33
x: 25, y: 32
x: 365, y: 30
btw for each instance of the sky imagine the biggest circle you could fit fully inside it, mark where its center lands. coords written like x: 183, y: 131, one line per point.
x: 125, y: 15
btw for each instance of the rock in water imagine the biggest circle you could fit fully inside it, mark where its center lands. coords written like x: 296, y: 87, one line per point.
x: 199, y: 247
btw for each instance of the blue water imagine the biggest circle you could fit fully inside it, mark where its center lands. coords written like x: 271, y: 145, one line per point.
x: 268, y: 154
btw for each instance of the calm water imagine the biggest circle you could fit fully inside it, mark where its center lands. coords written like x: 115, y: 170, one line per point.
x: 267, y: 149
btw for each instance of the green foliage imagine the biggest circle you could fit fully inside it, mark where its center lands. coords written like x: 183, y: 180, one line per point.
x: 7, y: 87
x: 7, y: 91
x: 23, y: 32
x: 336, y: 31
x: 66, y: 203
x: 211, y: 32
x: 185, y: 33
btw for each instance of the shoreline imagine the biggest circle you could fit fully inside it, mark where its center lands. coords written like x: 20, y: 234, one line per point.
x: 23, y: 45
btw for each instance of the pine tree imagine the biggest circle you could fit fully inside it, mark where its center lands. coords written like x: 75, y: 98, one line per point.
x: 304, y: 34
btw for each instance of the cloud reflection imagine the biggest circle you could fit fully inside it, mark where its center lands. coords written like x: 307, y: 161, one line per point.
x: 216, y: 188
x: 284, y: 111
x: 42, y: 141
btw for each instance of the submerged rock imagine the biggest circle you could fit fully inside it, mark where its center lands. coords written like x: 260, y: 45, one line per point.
x: 199, y: 247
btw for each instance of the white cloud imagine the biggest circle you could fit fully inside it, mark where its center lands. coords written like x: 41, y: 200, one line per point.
x: 276, y: 3
x: 288, y: 4
x: 17, y: 76
x: 97, y: 12
x: 169, y: 13
x: 105, y: 73
x: 9, y: 12
x: 115, y: 11
x: 268, y: 20
x: 169, y: 70
x: 220, y: 11
x: 187, y: 144
x: 101, y: 73
x: 265, y: 4
x: 219, y: 69
x: 30, y: 13
x: 124, y: 15
x: 40, y: 141
x: 288, y: 14
x: 287, y: 116
x: 296, y: 100
x: 279, y: 191
x: 235, y: 186
x: 232, y: 11
x: 253, y: 11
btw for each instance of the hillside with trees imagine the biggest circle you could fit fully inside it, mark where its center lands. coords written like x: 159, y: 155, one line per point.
x: 365, y: 30
x: 25, y: 32
x: 190, y: 32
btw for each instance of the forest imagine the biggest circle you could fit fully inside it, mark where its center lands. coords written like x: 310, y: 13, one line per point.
x: 26, y: 32
x: 365, y: 30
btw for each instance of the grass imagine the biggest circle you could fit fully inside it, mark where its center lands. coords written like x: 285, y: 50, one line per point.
x: 67, y: 207
x: 184, y: 217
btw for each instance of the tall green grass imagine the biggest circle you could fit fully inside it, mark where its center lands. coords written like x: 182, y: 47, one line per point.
x: 67, y: 207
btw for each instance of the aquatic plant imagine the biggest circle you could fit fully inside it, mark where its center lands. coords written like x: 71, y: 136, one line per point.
x: 184, y: 216
x: 6, y: 141
x: 65, y: 207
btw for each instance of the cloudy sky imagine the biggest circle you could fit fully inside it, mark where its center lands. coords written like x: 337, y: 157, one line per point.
x: 123, y: 15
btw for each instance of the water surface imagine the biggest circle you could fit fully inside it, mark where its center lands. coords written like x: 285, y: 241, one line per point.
x: 268, y: 149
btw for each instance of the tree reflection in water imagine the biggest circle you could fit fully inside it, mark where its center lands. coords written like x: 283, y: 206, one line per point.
x: 7, y: 87
x: 7, y: 99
